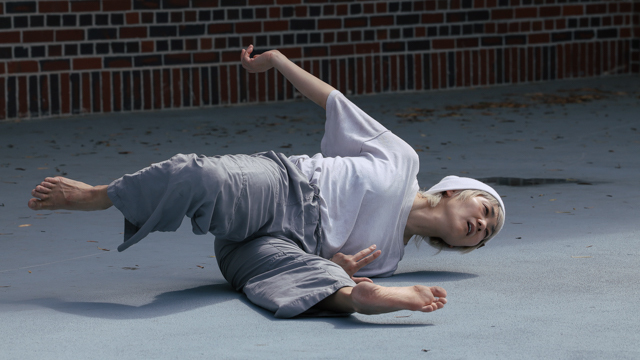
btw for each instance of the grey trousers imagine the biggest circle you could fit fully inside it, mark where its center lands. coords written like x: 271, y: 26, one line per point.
x: 262, y: 211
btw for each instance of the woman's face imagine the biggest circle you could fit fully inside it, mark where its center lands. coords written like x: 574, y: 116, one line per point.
x: 468, y: 222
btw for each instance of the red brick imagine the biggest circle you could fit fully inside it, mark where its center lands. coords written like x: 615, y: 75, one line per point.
x: 206, y: 43
x: 287, y: 2
x: 106, y: 91
x: 342, y: 10
x: 116, y: 5
x: 190, y: 16
x: 625, y: 7
x: 538, y: 38
x: 368, y: 9
x: 329, y: 24
x: 28, y: 66
x: 292, y: 53
x: 146, y: 89
x: 54, y: 65
x: 338, y: 50
x: 560, y: 62
x: 549, y: 24
x: 230, y: 56
x: 548, y: 11
x: 177, y: 94
x: 561, y: 24
x: 37, y: 36
x: 499, y: 14
x: 367, y: 48
x: 69, y: 35
x: 432, y: 18
x: 443, y: 44
x: 52, y: 6
x: 502, y: 28
x: 468, y: 42
x: 355, y: 22
x: 132, y: 18
x: 492, y: 3
x: 23, y: 98
x: 207, y: 57
x: 489, y: 28
x: 210, y: 3
x: 625, y: 33
x: 85, y: 5
x: 148, y: 46
x: 87, y: 63
x: 526, y: 12
x: 3, y: 105
x: 248, y: 27
x: 86, y: 93
x: 10, y: 37
x: 220, y: 28
x: 572, y: 10
x: 2, y: 71
x: 233, y: 84
x: 133, y: 32
x: 536, y: 25
x: 442, y: 70
x: 458, y: 72
x: 381, y: 20
x: 596, y: 9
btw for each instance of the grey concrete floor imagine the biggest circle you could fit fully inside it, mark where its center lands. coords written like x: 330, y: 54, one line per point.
x: 560, y: 281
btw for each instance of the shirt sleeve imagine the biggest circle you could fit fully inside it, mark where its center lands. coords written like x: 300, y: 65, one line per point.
x: 347, y: 127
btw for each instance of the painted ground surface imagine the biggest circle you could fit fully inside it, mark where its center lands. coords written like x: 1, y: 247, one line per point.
x: 560, y: 281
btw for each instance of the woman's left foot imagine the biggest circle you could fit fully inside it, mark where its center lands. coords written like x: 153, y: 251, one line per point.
x: 62, y: 193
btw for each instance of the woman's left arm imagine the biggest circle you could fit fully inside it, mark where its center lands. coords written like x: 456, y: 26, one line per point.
x: 310, y: 86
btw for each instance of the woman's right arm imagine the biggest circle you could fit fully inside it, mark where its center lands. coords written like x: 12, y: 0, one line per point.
x: 310, y: 86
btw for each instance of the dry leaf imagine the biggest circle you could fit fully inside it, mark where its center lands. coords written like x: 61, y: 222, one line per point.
x: 99, y: 248
x: 201, y: 267
x: 130, y: 268
x: 24, y: 225
x: 29, y: 271
x: 92, y: 241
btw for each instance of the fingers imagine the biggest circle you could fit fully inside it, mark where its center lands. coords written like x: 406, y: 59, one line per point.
x: 439, y: 292
x: 358, y: 280
x: 366, y: 261
x: 364, y: 253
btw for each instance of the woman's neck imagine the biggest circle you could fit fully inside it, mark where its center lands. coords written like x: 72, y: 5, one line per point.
x: 422, y: 220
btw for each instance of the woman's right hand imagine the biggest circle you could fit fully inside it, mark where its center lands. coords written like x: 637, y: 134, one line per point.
x: 353, y: 263
x: 257, y: 63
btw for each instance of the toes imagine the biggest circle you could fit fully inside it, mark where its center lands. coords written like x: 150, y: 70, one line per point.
x: 43, y: 189
x: 39, y: 195
x: 34, y: 204
x: 47, y: 185
x: 52, y: 180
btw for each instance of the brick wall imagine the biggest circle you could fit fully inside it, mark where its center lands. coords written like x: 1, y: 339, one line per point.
x: 73, y: 57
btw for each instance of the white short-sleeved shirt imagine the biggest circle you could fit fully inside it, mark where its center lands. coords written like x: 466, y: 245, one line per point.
x: 367, y: 181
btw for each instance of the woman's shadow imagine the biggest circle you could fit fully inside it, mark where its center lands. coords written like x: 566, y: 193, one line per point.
x: 178, y: 301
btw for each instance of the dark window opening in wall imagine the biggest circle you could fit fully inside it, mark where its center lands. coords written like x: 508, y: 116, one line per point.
x: 102, y: 19
x: 86, y: 20
x: 247, y: 13
x: 21, y: 22
x: 233, y: 14
x: 315, y: 38
x: 274, y: 40
x: 176, y: 45
x: 406, y: 6
x: 68, y: 20
x: 162, y: 45
x: 117, y: 48
x: 218, y: 15
x: 102, y: 48
x: 86, y: 49
x: 117, y: 19
x: 287, y: 39
x: 162, y: 17
x: 37, y: 20
x: 20, y: 52
x: 70, y: 49
x: 53, y: 20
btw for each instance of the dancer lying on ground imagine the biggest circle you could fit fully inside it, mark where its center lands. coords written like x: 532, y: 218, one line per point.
x: 289, y: 232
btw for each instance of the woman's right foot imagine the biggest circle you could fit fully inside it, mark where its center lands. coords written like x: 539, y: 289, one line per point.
x: 62, y: 193
x: 369, y: 298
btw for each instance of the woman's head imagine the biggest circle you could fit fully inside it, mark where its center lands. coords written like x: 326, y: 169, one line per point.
x: 470, y: 205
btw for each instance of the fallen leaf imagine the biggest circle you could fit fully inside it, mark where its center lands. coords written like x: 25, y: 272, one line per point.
x: 589, y: 246
x: 99, y: 248
x: 124, y: 152
x: 92, y: 241
x: 129, y: 268
x: 201, y: 267
x: 24, y: 225
x: 29, y: 271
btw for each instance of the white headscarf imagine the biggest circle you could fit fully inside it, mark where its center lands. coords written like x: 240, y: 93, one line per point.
x: 453, y: 182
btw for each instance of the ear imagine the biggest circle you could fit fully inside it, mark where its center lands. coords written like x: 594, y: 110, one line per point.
x: 450, y: 193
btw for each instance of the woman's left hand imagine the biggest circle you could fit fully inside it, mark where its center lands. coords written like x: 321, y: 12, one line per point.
x: 257, y: 63
x: 353, y: 263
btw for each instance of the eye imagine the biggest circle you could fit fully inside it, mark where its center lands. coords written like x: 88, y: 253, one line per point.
x: 486, y: 210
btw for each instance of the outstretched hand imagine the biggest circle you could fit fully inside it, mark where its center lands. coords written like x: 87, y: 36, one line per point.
x: 257, y: 63
x: 353, y: 263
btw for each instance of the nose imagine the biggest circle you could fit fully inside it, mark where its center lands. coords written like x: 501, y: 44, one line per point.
x: 482, y: 224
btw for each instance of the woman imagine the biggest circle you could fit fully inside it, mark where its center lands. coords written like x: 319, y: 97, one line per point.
x: 289, y: 231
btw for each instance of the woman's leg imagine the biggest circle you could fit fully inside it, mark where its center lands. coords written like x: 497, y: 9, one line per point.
x: 62, y: 193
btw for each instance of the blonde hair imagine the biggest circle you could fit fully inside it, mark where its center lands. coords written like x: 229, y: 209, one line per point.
x: 434, y: 199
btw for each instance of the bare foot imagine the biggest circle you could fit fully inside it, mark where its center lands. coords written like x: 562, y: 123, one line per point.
x: 369, y: 298
x: 62, y: 193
